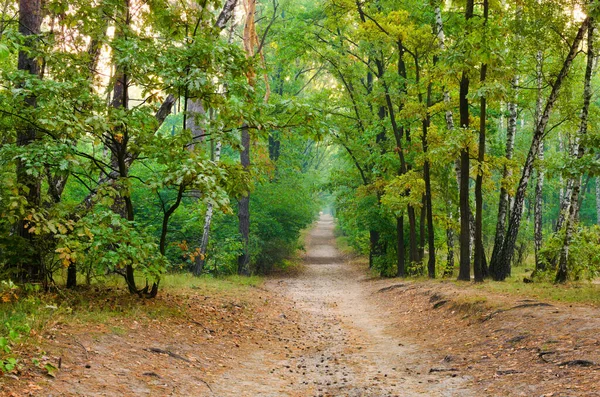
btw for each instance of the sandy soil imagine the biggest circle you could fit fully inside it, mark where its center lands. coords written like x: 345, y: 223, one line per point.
x: 327, y: 330
x: 350, y: 348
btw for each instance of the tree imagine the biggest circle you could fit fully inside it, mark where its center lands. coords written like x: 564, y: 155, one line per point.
x: 29, y: 184
x: 503, y: 265
x: 479, y: 262
x: 562, y: 273
x: 465, y: 235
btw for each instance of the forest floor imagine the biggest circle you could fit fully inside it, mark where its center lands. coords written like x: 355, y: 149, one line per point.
x: 326, y: 329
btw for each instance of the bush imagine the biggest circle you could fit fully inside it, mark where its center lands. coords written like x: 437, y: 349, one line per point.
x: 584, y: 257
x: 280, y: 210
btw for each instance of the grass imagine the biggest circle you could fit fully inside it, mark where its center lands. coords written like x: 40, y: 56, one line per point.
x: 471, y: 305
x: 118, y: 331
x: 573, y: 292
x: 106, y: 303
x: 182, y: 281
x: 543, y: 289
x: 344, y: 247
x: 88, y: 305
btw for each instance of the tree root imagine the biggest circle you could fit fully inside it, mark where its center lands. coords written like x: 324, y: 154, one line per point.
x: 391, y: 287
x: 579, y: 363
x: 492, y: 314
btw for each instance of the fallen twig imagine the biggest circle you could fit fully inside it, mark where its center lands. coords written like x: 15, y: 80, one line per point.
x: 443, y: 370
x: 207, y: 385
x: 542, y: 355
x: 508, y: 372
x: 167, y: 352
x: 82, y: 346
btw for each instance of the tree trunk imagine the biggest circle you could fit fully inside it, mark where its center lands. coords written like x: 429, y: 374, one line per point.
x: 398, y: 136
x: 58, y: 182
x: 537, y: 209
x: 449, y: 270
x: 597, y: 200
x: 565, y: 202
x: 244, y: 209
x: 72, y: 276
x: 465, y: 231
x: 30, y: 19
x: 118, y: 142
x: 274, y: 146
x: 200, y: 260
x: 194, y: 113
x: 510, y: 240
x: 226, y: 13
x: 401, y: 272
x: 428, y: 207
x: 374, y: 247
x: 503, y: 203
x: 537, y: 213
x: 412, y: 235
x: 478, y: 263
x: 562, y: 273
x: 439, y: 29
x: 422, y: 220
x: 165, y: 222
x: 479, y: 252
x: 430, y: 229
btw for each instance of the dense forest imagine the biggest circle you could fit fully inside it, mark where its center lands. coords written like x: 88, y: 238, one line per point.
x: 144, y: 137
x: 132, y: 130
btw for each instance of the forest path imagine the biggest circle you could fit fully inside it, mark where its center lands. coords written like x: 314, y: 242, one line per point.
x: 327, y: 330
x: 348, y: 348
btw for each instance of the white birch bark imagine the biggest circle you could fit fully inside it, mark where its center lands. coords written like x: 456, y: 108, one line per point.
x: 200, y: 259
x: 598, y: 200
x: 515, y: 218
x: 505, y: 201
x: 193, y: 122
x: 571, y: 219
x: 537, y: 208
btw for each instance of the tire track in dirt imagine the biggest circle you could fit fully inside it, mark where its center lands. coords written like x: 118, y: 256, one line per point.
x: 346, y: 347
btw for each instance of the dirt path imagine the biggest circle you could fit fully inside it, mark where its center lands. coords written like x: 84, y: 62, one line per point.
x: 349, y: 348
x: 328, y: 330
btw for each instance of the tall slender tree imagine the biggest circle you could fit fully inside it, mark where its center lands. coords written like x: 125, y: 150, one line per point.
x: 465, y: 231
x: 30, y: 20
x: 562, y: 273
x: 503, y: 266
x: 478, y: 263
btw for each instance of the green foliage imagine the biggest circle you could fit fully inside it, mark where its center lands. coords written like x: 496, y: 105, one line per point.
x: 366, y: 99
x: 402, y: 191
x: 583, y: 259
x: 89, y: 157
x: 282, y: 208
x: 104, y: 242
x: 14, y: 327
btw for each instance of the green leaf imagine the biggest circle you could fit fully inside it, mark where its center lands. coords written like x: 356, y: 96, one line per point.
x: 51, y: 370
